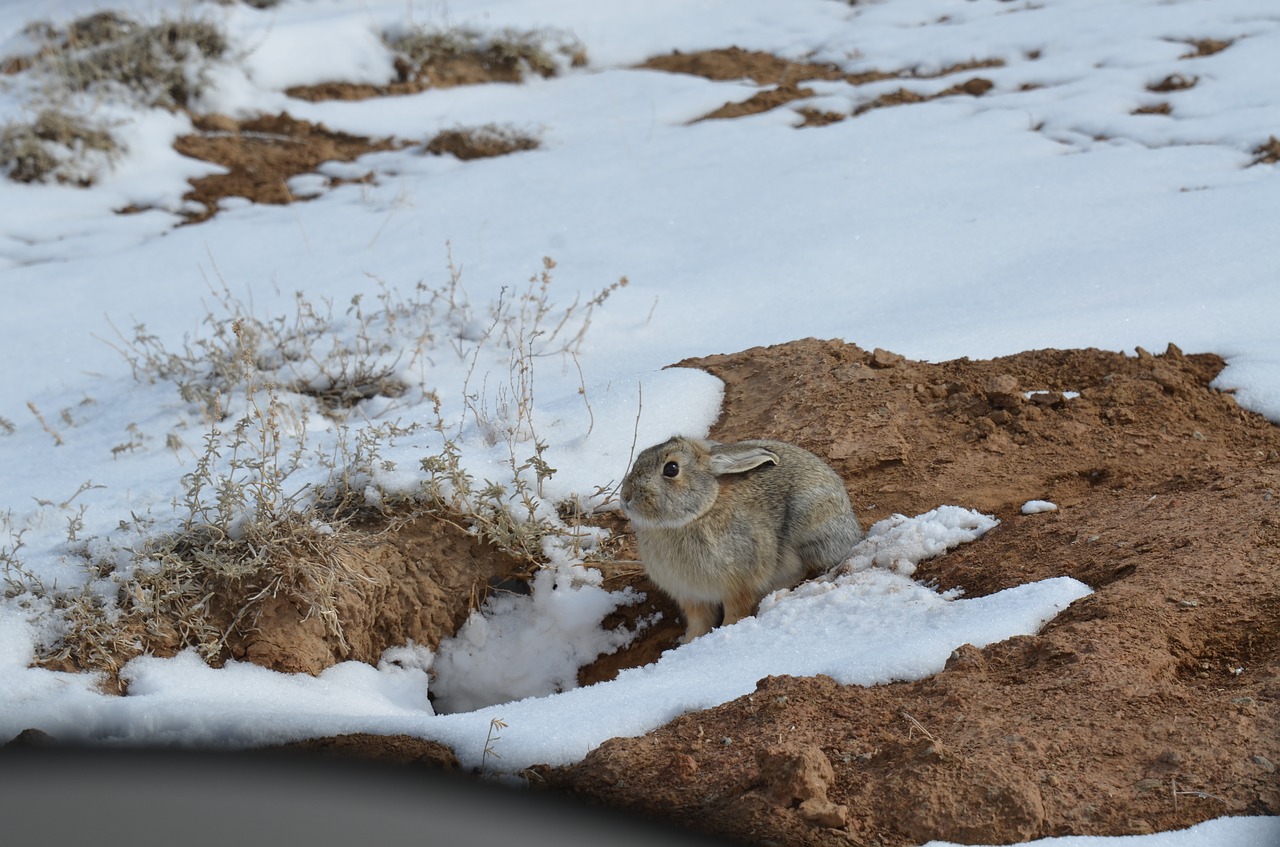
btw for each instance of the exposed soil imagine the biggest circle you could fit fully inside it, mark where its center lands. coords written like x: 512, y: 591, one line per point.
x: 448, y: 72
x: 441, y: 69
x: 480, y: 142
x: 423, y: 581
x: 1150, y: 705
x: 1268, y: 153
x: 784, y: 76
x: 262, y: 154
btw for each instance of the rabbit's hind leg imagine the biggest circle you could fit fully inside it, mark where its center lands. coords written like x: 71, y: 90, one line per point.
x: 740, y: 603
x: 700, y: 616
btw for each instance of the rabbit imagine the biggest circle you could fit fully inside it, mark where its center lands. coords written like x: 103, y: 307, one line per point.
x: 722, y: 525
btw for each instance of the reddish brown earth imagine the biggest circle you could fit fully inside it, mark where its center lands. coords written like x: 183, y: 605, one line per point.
x: 1150, y: 705
x: 262, y: 154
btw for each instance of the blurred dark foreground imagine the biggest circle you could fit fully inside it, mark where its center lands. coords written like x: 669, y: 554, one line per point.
x: 52, y: 794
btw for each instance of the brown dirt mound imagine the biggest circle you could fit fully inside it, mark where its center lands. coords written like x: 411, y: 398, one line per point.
x: 1150, y: 705
x: 425, y: 579
x: 262, y: 154
x: 732, y: 63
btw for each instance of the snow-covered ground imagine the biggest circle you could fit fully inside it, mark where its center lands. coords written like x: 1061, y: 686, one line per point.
x: 1042, y: 214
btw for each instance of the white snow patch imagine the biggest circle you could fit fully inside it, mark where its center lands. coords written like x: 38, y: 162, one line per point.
x: 531, y: 645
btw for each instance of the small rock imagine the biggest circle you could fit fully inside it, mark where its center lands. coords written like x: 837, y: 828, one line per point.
x: 1264, y: 763
x: 881, y: 358
x: 1165, y: 378
x: 1002, y: 391
x: 1000, y: 417
x: 794, y: 773
x: 824, y: 813
x: 218, y: 122
x: 1045, y: 398
x: 684, y: 766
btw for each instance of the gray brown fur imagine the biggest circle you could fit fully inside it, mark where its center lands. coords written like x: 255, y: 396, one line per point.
x: 737, y: 522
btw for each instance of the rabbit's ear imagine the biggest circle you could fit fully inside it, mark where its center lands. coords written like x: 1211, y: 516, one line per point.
x: 735, y: 458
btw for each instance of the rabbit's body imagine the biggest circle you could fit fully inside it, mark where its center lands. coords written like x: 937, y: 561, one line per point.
x: 725, y: 524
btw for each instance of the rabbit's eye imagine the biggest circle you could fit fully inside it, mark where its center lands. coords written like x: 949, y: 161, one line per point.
x: 671, y: 469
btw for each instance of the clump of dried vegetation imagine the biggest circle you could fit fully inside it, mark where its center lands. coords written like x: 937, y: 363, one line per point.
x: 105, y: 54
x: 459, y: 55
x: 164, y: 64
x: 481, y: 142
x: 265, y: 515
x: 55, y: 145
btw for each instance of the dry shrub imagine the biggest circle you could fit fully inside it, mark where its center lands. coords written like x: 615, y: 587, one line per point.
x: 481, y: 142
x: 250, y: 533
x: 163, y: 63
x: 56, y: 145
x: 458, y: 55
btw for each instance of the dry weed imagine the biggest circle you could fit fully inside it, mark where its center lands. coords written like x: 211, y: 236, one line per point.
x: 56, y: 145
x: 163, y: 63
x: 480, y: 142
x: 458, y: 55
x: 251, y: 528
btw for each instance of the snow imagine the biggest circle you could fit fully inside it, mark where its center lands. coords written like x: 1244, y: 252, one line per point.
x: 1043, y: 214
x: 1037, y: 507
x: 1236, y: 832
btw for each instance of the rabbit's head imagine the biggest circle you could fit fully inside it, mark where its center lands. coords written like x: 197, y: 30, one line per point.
x: 677, y: 481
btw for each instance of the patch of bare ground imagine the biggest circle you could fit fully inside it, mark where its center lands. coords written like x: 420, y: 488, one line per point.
x: 262, y: 154
x: 1152, y: 704
x: 732, y: 63
x: 415, y: 580
x: 413, y: 78
x: 447, y: 59
x: 1268, y: 153
x: 422, y: 580
x: 480, y: 142
x: 1206, y: 47
x: 973, y: 87
x: 1173, y: 82
x: 785, y: 76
